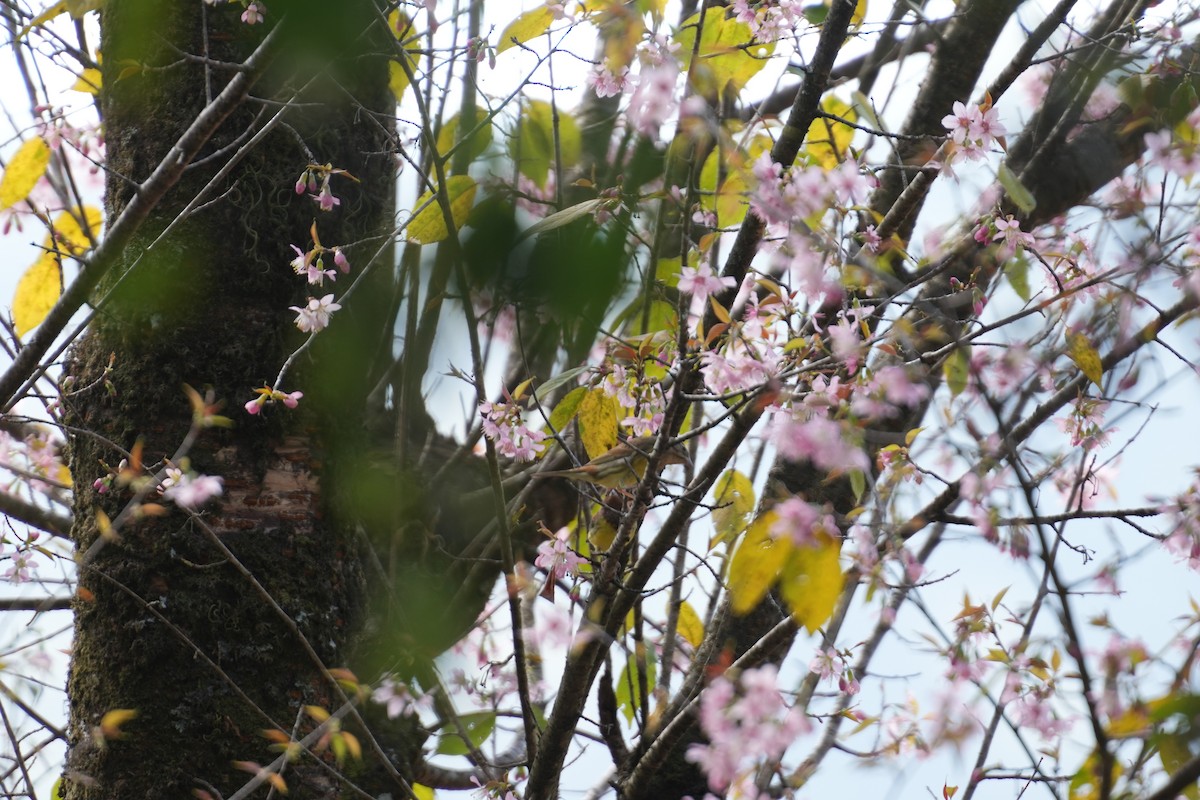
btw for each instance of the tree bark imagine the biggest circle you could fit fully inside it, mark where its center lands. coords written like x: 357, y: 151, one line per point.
x: 168, y: 621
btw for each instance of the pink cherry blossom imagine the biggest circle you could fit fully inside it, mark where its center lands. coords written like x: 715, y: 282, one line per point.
x: 557, y: 558
x: 701, y: 282
x: 193, y: 491
x: 314, y: 316
x: 254, y: 13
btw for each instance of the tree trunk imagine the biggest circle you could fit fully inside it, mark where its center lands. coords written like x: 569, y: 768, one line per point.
x: 169, y: 622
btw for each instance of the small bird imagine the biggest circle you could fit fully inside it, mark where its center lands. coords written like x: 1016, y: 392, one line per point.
x: 623, y: 466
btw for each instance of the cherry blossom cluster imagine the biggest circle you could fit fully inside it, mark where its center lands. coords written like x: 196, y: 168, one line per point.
x: 744, y: 728
x: 311, y: 264
x: 1007, y: 231
x: 1174, y: 153
x: 973, y: 130
x: 1029, y: 689
x: 831, y: 664
x: 557, y: 558
x: 189, y: 489
x: 769, y: 20
x: 641, y: 397
x: 1084, y: 425
x: 1184, y: 540
x: 750, y: 354
x: 34, y: 463
x: 20, y: 561
x: 503, y: 424
x: 804, y: 191
x: 654, y: 99
x: 400, y: 697
x: 1119, y: 662
x: 314, y: 316
x: 802, y: 522
x: 320, y: 174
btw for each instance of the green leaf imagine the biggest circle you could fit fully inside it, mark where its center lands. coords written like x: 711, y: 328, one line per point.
x: 1080, y: 350
x: 1174, y: 752
x: 1017, y: 272
x: 532, y: 148
x: 560, y: 218
x: 560, y: 379
x: 957, y: 369
x: 628, y: 688
x: 858, y: 484
x: 756, y: 564
x: 478, y: 726
x: 567, y: 408
x: 1015, y: 189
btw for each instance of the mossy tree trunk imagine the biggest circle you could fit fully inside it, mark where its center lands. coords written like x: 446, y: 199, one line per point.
x: 168, y: 624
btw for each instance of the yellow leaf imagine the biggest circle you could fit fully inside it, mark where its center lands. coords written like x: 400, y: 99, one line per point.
x: 422, y: 792
x: 1080, y: 350
x: 828, y: 139
x: 397, y: 80
x: 111, y: 722
x: 88, y: 81
x: 756, y: 564
x: 317, y: 713
x: 71, y: 237
x: 352, y: 745
x: 729, y: 199
x: 727, y: 55
x: 597, y: 422
x: 718, y: 309
x: 42, y: 18
x: 23, y: 172
x: 690, y: 627
x: 860, y: 13
x: 1130, y: 724
x: 811, y: 582
x: 601, y: 534
x: 37, y: 292
x: 429, y: 225
x: 525, y: 27
x: 402, y: 28
x: 733, y: 497
x: 532, y: 149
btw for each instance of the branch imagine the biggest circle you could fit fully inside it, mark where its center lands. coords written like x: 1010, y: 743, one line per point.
x: 787, y: 147
x: 40, y: 518
x: 37, y: 604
